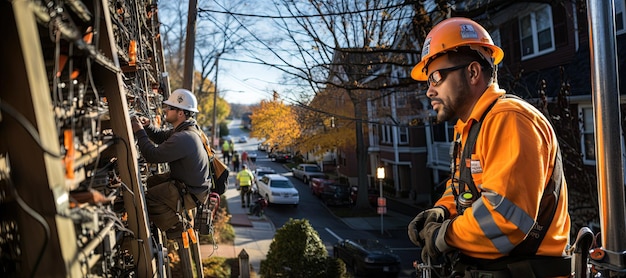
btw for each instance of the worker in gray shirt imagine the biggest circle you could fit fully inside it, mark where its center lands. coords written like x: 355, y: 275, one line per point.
x: 182, y: 148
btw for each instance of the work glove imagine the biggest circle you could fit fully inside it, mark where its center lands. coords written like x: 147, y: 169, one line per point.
x: 433, y: 235
x: 436, y: 214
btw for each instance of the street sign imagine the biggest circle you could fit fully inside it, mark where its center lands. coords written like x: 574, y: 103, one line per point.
x: 382, y: 201
x: 382, y: 210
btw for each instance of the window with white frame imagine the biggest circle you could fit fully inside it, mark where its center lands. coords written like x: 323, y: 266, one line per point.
x: 403, y: 135
x: 620, y: 17
x: 536, y: 32
x: 588, y: 141
x: 386, y: 135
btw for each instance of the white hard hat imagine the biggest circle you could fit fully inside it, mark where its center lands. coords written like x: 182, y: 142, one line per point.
x: 183, y: 99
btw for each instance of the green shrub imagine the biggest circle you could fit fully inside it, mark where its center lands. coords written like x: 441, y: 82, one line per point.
x: 224, y: 129
x: 216, y: 267
x: 298, y: 251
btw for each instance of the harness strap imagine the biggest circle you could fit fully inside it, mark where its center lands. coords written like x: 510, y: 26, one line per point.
x: 547, y: 210
x: 209, y: 153
x: 549, y: 199
x: 465, y: 173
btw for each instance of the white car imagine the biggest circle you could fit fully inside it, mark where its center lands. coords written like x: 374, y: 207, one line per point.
x: 278, y: 190
x: 262, y: 171
x: 258, y: 174
x: 306, y: 172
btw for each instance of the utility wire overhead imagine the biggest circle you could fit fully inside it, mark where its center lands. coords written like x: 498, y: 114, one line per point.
x: 302, y: 16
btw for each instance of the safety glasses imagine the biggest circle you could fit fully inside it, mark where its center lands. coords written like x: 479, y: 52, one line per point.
x: 438, y: 76
x: 169, y: 107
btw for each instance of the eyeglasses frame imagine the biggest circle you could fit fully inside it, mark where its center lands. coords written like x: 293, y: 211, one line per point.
x: 169, y: 107
x: 443, y: 73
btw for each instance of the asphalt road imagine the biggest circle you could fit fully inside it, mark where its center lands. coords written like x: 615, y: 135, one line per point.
x: 330, y: 228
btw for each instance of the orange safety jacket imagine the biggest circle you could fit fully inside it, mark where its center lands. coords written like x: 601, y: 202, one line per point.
x: 511, y: 166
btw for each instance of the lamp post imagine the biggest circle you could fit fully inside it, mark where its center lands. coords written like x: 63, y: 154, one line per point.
x: 382, y: 203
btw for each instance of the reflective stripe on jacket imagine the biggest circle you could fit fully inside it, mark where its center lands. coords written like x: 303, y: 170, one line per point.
x: 511, y: 165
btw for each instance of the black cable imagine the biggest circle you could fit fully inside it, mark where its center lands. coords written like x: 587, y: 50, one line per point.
x: 308, y: 107
x: 35, y: 215
x: 201, y: 10
x: 98, y: 121
x: 23, y: 121
x: 139, y: 244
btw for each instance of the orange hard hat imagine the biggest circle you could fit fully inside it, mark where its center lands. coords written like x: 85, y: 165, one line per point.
x: 452, y: 33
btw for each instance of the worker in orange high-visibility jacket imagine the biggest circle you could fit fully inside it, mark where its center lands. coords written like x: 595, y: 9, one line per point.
x: 504, y: 211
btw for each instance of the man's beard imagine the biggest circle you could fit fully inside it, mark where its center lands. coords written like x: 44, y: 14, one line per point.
x: 443, y: 115
x: 449, y: 111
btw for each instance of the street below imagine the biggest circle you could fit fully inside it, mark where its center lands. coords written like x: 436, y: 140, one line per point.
x: 330, y: 228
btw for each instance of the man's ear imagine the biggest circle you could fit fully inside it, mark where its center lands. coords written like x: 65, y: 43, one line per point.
x: 475, y: 71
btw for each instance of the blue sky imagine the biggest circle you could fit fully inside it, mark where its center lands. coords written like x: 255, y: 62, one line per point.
x: 246, y: 83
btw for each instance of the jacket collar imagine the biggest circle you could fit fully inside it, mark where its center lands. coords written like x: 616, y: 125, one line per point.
x: 488, y: 97
x: 184, y: 125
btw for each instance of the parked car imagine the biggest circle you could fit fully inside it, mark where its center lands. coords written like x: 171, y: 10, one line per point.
x: 372, y: 195
x: 317, y: 185
x: 258, y: 173
x: 367, y: 257
x: 278, y: 190
x: 307, y: 171
x: 331, y: 192
x: 334, y: 194
x: 262, y: 171
x: 280, y: 156
x: 263, y: 147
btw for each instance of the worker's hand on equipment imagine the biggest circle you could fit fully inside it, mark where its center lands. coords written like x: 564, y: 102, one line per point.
x: 136, y: 123
x: 418, y: 223
x: 144, y: 121
x: 434, y: 238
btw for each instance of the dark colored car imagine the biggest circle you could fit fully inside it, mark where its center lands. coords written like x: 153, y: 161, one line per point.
x: 372, y: 195
x: 331, y: 192
x: 282, y: 157
x: 263, y: 147
x: 367, y: 257
x: 336, y: 194
x: 317, y: 185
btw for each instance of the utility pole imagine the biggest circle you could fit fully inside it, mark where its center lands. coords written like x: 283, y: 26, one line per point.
x: 214, y: 127
x: 190, y: 42
x: 190, y: 256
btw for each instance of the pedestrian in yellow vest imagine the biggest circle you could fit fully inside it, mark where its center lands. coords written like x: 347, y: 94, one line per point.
x: 245, y: 178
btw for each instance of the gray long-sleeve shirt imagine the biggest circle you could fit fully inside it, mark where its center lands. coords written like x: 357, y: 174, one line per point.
x: 182, y: 149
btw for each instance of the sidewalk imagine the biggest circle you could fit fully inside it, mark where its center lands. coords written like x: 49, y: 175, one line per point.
x: 252, y: 233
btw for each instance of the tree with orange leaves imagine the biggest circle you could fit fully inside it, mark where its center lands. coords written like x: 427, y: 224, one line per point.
x: 276, y: 122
